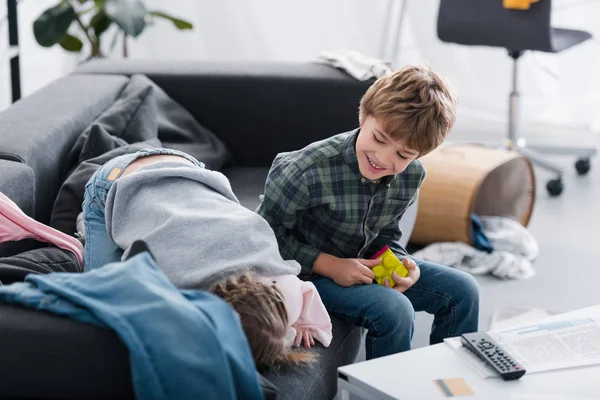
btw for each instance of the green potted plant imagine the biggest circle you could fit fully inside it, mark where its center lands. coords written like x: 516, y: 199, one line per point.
x: 93, y: 18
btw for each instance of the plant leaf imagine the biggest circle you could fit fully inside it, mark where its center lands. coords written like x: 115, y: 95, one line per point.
x: 100, y: 22
x: 53, y: 23
x: 70, y: 43
x: 129, y: 15
x: 179, y: 23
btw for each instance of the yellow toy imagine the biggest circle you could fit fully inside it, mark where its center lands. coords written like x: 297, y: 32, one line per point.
x: 389, y: 264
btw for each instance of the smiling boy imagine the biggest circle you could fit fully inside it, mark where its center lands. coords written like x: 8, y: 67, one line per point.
x: 336, y: 202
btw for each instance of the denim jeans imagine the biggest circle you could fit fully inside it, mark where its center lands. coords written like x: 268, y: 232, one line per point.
x: 452, y: 296
x: 99, y: 249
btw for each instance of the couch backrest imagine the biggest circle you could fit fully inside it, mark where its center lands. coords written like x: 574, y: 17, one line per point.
x: 257, y: 109
x: 39, y: 130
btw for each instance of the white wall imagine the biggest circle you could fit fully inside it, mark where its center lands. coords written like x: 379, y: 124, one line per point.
x: 39, y: 65
x: 557, y: 89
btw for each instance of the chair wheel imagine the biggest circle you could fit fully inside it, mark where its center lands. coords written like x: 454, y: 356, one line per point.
x: 554, y: 187
x: 583, y: 166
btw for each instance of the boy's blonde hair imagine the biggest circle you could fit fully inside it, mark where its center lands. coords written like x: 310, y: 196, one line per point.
x: 264, y: 319
x: 413, y: 104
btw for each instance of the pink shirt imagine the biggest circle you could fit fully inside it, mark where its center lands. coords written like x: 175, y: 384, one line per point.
x: 16, y: 225
x: 304, y: 306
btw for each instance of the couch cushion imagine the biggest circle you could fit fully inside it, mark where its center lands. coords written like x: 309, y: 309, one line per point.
x: 248, y: 183
x: 179, y: 130
x: 41, y: 128
x: 319, y: 380
x: 131, y: 118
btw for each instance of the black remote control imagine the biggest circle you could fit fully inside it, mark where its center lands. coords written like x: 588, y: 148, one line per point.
x: 486, y: 348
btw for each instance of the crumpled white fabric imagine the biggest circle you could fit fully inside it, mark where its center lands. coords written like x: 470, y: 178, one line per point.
x: 515, y: 250
x: 509, y: 235
x: 357, y: 65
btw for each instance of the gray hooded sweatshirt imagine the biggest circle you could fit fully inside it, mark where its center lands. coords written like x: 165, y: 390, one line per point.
x: 194, y: 225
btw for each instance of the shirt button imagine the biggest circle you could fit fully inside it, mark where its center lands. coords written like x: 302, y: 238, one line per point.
x: 362, y: 180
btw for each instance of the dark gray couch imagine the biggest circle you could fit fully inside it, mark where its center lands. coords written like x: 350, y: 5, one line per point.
x: 257, y: 110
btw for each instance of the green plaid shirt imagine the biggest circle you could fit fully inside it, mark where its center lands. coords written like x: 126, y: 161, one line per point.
x: 316, y: 200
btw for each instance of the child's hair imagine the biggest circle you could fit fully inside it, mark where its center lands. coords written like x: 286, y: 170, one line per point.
x: 413, y: 104
x: 264, y: 319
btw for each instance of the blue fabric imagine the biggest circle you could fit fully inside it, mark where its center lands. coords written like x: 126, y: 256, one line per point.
x: 183, y: 344
x: 480, y: 240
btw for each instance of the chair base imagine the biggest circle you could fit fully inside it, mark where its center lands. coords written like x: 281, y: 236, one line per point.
x: 536, y: 152
x: 516, y: 143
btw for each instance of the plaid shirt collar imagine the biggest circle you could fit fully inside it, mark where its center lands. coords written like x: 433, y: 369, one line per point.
x: 351, y: 160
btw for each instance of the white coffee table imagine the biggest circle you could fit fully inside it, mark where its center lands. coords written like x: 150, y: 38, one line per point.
x: 411, y: 375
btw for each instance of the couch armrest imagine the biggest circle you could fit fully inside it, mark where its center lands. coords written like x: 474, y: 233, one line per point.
x: 257, y: 109
x: 18, y: 184
x: 39, y: 130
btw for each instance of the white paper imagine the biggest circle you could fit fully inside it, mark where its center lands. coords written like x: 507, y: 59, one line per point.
x: 512, y: 317
x: 562, y: 341
x: 553, y: 344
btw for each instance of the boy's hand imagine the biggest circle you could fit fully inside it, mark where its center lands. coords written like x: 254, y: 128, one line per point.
x: 403, y: 283
x: 345, y: 271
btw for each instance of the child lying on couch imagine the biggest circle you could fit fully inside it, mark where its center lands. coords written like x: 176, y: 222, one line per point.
x: 202, y: 238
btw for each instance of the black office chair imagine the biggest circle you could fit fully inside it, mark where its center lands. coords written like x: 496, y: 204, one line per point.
x: 488, y: 23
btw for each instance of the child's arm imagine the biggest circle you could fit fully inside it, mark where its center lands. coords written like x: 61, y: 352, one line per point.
x: 286, y: 194
x: 314, y: 316
x: 305, y: 309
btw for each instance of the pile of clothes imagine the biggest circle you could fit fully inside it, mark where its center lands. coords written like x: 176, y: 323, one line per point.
x: 502, y: 247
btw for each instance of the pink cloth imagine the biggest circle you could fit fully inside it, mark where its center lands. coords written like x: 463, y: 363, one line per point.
x: 16, y: 225
x: 304, y: 306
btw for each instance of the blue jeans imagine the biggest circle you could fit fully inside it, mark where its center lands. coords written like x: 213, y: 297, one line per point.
x: 452, y: 296
x: 99, y: 248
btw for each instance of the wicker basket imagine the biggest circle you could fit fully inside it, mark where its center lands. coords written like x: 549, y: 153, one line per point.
x: 468, y: 179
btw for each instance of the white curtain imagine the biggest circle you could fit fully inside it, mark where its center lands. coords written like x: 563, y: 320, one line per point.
x: 559, y: 89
